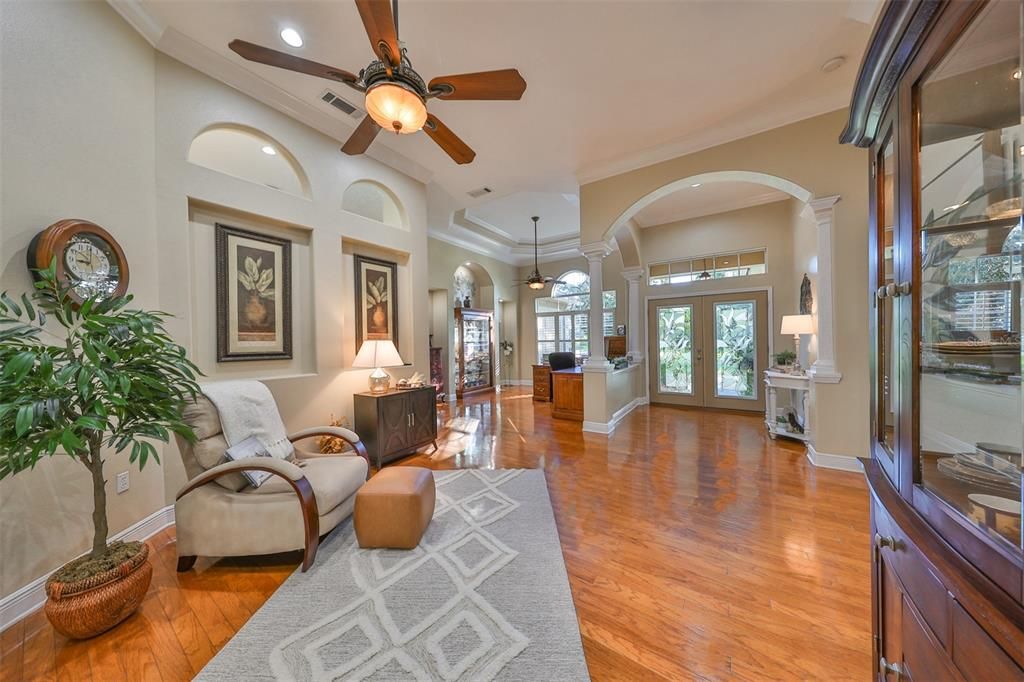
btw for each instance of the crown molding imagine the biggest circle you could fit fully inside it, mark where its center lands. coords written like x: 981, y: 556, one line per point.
x: 177, y: 45
x: 713, y: 136
x: 513, y: 255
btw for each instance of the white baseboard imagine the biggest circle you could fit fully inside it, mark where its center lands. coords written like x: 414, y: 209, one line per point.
x: 601, y: 427
x: 32, y: 597
x: 828, y: 461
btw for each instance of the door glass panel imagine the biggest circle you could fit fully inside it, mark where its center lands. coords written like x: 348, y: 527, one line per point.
x: 735, y: 350
x: 971, y: 426
x: 675, y: 349
x: 887, y: 365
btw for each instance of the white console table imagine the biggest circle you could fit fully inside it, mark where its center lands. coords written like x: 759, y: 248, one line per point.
x: 800, y: 386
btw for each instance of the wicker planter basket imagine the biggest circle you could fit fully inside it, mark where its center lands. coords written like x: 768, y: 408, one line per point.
x: 86, y: 608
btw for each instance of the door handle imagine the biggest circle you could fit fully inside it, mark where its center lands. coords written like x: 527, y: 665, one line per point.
x: 887, y: 668
x: 699, y: 355
x: 413, y: 418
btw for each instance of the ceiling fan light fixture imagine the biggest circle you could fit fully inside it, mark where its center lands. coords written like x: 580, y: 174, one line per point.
x: 396, y: 107
x: 291, y: 37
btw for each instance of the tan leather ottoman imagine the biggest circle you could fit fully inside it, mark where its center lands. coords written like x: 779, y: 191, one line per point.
x: 394, y: 508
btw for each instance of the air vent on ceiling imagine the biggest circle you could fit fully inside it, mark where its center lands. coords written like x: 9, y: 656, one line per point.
x: 477, y: 193
x: 341, y: 104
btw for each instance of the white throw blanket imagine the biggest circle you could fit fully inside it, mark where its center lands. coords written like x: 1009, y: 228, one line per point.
x: 247, y: 408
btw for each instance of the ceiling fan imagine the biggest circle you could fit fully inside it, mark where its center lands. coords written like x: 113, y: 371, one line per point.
x: 396, y: 95
x: 536, y: 280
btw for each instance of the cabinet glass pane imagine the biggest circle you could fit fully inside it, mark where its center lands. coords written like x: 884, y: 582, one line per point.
x: 476, y: 348
x: 887, y: 365
x: 675, y: 349
x: 971, y: 426
x: 735, y: 349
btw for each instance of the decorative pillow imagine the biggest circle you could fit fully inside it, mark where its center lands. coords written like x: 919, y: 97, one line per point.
x: 248, y: 448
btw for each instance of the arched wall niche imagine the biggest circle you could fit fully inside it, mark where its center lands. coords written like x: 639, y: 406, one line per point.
x: 373, y: 201
x: 249, y: 154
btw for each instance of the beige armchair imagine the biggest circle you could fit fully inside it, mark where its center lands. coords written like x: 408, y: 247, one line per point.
x: 217, y: 513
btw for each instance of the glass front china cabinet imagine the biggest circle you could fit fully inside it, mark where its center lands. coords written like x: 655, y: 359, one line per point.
x: 474, y: 350
x: 938, y: 104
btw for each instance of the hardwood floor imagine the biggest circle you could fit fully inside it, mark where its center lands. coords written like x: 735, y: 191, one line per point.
x: 696, y: 547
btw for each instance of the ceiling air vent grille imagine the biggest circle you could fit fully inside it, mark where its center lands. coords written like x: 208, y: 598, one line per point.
x: 341, y: 104
x: 477, y: 193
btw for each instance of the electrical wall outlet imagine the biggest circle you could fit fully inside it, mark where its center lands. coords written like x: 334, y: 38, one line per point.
x: 122, y: 482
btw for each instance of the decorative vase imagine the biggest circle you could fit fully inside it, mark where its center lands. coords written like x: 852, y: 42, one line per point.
x: 255, y: 310
x: 85, y: 608
x: 379, y: 318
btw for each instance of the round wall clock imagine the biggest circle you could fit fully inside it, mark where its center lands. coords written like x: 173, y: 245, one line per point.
x: 89, y: 260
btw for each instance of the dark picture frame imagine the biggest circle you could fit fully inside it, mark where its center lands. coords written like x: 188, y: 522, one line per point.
x: 376, y: 311
x: 254, y: 301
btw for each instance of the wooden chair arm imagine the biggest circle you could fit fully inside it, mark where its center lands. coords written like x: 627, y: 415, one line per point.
x: 278, y: 467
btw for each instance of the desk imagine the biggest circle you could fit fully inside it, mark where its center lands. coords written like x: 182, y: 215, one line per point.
x: 541, y: 384
x: 567, y: 394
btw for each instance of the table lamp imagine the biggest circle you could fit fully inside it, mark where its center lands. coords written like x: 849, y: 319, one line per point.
x: 378, y: 354
x: 797, y: 325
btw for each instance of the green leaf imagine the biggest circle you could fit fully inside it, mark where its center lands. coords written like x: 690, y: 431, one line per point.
x: 23, y: 420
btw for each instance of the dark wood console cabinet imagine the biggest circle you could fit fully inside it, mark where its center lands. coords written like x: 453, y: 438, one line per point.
x: 396, y: 423
x: 937, y: 103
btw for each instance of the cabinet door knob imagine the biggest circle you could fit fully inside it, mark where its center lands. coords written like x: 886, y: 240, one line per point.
x: 886, y: 668
x: 891, y: 291
x: 882, y: 292
x: 903, y: 289
x: 883, y: 541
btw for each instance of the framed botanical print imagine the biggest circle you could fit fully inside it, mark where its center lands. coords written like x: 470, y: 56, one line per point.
x: 376, y: 300
x: 254, y: 295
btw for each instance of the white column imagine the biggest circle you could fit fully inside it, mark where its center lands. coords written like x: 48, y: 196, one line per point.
x: 824, y: 369
x: 595, y: 254
x: 635, y: 331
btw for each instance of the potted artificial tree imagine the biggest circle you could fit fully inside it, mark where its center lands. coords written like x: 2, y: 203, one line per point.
x: 96, y: 379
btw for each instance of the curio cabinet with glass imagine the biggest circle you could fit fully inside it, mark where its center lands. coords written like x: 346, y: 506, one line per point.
x: 937, y: 104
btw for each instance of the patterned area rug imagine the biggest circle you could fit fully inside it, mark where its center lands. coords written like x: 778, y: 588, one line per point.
x: 484, y: 597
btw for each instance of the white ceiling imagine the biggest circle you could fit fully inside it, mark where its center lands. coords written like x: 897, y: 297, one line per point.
x: 708, y: 199
x: 611, y: 84
x: 559, y: 215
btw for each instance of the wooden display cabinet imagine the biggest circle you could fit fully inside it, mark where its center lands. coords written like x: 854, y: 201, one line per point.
x: 938, y: 104
x: 474, y: 350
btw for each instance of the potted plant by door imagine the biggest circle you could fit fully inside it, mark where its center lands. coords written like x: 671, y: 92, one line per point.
x: 89, y: 382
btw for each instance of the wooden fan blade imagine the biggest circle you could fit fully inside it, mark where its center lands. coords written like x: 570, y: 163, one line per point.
x: 283, y: 60
x: 448, y: 141
x: 501, y: 84
x: 379, y: 23
x: 360, y: 140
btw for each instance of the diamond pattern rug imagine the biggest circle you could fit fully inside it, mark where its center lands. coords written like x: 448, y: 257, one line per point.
x: 485, y: 596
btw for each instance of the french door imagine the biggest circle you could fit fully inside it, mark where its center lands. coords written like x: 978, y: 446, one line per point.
x: 709, y: 351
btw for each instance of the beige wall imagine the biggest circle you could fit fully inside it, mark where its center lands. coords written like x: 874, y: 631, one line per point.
x: 118, y: 157
x: 444, y: 259
x: 86, y: 154
x: 769, y: 226
x: 805, y: 153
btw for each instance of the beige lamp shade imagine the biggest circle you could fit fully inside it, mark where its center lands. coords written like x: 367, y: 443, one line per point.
x: 396, y: 109
x: 378, y: 354
x: 797, y: 324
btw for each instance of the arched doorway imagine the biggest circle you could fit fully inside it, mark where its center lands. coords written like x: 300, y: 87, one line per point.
x: 659, y: 267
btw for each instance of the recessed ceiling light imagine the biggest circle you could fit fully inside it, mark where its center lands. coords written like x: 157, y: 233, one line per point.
x: 291, y: 37
x: 1016, y: 74
x: 267, y: 149
x: 696, y: 184
x: 833, y: 64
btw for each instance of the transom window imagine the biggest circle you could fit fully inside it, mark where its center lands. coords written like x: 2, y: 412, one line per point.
x: 563, y: 318
x: 714, y: 266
